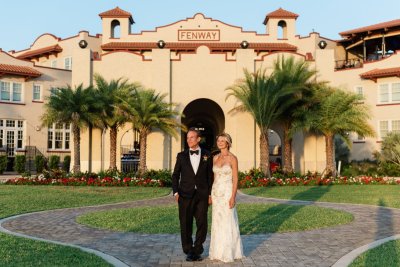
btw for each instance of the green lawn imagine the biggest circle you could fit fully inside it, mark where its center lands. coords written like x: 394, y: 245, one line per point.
x: 15, y: 251
x: 387, y: 254
x: 360, y: 194
x: 253, y: 219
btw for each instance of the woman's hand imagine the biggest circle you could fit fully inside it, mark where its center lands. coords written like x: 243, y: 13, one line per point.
x: 232, y: 202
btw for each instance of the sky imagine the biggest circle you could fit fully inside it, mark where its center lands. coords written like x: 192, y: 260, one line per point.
x: 22, y: 21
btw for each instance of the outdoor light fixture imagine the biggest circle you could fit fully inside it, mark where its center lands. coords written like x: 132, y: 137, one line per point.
x: 244, y: 44
x: 83, y: 44
x: 322, y: 44
x: 161, y: 44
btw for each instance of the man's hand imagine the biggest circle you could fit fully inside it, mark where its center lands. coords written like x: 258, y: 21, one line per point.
x: 176, y: 197
x: 209, y: 200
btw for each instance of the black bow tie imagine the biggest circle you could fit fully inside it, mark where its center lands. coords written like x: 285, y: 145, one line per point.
x: 194, y: 152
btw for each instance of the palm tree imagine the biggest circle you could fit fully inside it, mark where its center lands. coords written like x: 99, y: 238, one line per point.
x: 77, y: 107
x: 260, y: 95
x: 111, y: 95
x: 336, y: 112
x: 149, y: 111
x: 297, y: 76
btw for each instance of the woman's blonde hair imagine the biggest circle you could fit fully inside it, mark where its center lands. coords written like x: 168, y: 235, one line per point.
x: 227, y: 138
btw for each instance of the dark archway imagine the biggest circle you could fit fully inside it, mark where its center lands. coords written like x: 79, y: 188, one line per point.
x: 208, y: 117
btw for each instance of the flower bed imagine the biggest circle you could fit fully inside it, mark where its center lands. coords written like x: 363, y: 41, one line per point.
x: 248, y: 181
x: 73, y: 181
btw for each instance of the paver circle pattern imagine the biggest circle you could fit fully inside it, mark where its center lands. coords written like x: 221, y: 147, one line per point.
x: 320, y: 247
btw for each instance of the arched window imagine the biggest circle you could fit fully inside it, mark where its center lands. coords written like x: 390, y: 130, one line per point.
x: 282, y: 30
x: 115, y: 29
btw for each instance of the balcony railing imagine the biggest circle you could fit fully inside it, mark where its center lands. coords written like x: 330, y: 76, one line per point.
x: 348, y: 64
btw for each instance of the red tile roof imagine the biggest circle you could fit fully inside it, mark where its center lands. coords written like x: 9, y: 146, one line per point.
x: 19, y: 70
x: 192, y: 46
x: 117, y: 13
x: 381, y: 73
x: 280, y: 13
x: 379, y: 26
x: 54, y: 49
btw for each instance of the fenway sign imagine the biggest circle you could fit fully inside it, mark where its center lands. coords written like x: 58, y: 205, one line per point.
x: 198, y: 35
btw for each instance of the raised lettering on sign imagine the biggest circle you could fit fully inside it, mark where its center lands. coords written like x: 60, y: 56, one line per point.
x: 198, y: 35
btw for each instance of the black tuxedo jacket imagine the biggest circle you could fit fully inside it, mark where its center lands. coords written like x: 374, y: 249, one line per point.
x: 184, y: 180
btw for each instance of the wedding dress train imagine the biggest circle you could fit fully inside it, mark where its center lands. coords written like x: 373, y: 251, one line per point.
x: 225, y: 244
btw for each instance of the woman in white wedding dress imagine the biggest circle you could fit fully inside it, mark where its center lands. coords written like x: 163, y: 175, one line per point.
x: 225, y: 244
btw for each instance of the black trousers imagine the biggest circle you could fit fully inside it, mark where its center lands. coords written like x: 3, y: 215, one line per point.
x: 190, y: 208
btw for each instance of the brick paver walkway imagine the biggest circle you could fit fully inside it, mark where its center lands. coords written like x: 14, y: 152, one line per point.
x: 320, y: 248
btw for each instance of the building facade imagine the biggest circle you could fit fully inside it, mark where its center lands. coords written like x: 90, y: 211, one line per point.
x: 193, y: 61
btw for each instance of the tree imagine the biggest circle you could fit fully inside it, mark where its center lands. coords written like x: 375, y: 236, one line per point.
x: 110, y: 96
x: 296, y: 76
x: 148, y: 111
x: 260, y: 95
x: 390, y: 149
x: 77, y: 107
x: 336, y: 112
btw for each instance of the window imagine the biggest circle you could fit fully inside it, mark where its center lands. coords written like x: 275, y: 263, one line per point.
x: 395, y: 92
x: 383, y: 129
x: 389, y: 93
x: 11, y: 91
x: 359, y: 90
x: 58, y: 137
x: 5, y: 91
x: 68, y: 63
x: 12, y: 135
x: 54, y: 64
x: 36, y: 92
x: 53, y: 90
x: 388, y: 126
x: 396, y: 126
x: 384, y: 93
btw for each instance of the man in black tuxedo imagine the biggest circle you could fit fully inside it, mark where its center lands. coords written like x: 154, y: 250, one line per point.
x: 191, y: 184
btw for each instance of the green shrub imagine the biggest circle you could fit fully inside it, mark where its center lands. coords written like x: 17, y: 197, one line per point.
x: 54, y: 161
x: 3, y: 163
x: 165, y: 176
x: 19, y: 163
x: 389, y: 169
x: 39, y: 163
x: 67, y: 163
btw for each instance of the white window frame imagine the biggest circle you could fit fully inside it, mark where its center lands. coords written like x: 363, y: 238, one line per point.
x: 52, y: 90
x: 390, y: 127
x: 357, y: 91
x: 68, y: 66
x: 390, y: 93
x: 11, y: 91
x: 18, y: 127
x: 53, y: 64
x: 40, y: 92
x: 53, y: 132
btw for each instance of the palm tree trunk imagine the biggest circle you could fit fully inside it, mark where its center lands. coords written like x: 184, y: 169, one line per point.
x: 264, y: 152
x: 113, y: 147
x: 287, y: 150
x: 77, y: 148
x: 330, y: 155
x: 142, y: 154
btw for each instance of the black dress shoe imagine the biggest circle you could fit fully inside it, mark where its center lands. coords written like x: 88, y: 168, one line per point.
x: 189, y: 257
x: 197, y: 257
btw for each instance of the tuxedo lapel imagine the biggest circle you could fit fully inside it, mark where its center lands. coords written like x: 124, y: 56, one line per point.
x: 201, y: 160
x: 187, y: 156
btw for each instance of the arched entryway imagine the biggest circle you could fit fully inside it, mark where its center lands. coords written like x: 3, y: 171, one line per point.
x: 208, y: 117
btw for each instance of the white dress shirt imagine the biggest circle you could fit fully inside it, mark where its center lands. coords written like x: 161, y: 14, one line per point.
x: 195, y: 160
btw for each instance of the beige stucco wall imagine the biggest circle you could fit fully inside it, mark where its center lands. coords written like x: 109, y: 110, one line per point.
x: 187, y: 76
x: 28, y: 110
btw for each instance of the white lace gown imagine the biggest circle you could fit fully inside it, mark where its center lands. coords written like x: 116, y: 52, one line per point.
x: 225, y: 244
